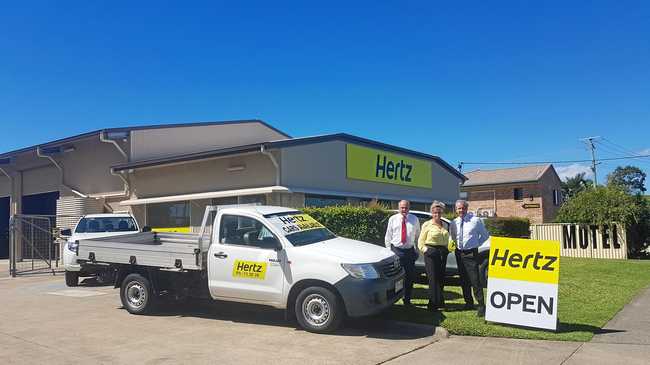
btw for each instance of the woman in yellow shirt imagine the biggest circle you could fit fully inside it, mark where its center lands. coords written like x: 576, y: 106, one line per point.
x: 433, y: 242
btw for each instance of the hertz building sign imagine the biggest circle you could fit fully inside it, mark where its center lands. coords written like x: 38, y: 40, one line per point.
x: 523, y: 282
x: 380, y: 166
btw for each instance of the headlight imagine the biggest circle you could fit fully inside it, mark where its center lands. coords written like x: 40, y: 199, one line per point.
x: 72, y: 246
x: 361, y: 271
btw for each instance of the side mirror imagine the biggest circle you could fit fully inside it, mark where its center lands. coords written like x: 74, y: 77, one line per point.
x: 146, y: 229
x: 66, y: 232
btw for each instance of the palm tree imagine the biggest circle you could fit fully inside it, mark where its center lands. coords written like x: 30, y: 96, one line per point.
x: 571, y: 186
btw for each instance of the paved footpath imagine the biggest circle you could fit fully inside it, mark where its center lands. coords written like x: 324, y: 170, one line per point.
x: 625, y: 340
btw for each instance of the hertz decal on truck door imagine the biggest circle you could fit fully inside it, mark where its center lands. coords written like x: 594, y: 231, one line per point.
x: 249, y: 270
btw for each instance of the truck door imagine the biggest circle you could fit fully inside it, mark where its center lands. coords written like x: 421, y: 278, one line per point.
x: 244, y: 263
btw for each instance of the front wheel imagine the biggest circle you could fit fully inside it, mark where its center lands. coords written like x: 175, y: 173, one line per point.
x: 71, y: 278
x: 318, y: 310
x: 137, y: 294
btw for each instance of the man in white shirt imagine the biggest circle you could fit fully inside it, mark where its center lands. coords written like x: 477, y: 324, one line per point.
x: 401, y: 235
x: 469, y: 233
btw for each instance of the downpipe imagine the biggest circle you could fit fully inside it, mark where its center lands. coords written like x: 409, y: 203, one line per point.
x: 275, y: 163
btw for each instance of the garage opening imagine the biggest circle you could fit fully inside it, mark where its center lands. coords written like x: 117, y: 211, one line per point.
x: 40, y: 204
x: 4, y: 227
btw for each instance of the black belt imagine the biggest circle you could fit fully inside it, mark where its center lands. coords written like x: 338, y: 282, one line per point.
x: 403, y: 249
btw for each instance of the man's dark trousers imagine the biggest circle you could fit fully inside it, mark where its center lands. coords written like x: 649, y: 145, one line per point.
x: 468, y: 262
x: 407, y: 259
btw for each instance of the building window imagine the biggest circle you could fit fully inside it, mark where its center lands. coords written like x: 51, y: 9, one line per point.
x: 518, y: 194
x: 317, y: 201
x: 169, y: 217
x: 251, y: 199
x: 556, y: 197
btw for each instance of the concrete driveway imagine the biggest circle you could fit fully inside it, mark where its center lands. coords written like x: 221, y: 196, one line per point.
x: 41, y: 320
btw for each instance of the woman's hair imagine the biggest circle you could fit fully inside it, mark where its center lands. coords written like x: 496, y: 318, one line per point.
x: 437, y: 204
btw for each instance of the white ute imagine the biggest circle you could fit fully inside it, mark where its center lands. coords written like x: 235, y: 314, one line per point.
x: 265, y: 255
x: 88, y: 227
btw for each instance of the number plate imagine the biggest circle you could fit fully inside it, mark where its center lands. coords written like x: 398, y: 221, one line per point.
x: 399, y: 285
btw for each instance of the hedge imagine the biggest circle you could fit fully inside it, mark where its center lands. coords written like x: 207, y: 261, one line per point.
x: 358, y: 223
x: 369, y: 224
x: 508, y: 227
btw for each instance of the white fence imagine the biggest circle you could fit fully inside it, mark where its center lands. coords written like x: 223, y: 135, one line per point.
x: 607, y: 241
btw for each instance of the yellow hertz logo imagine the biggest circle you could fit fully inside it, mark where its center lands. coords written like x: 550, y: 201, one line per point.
x: 298, y: 222
x: 249, y: 270
x: 526, y: 260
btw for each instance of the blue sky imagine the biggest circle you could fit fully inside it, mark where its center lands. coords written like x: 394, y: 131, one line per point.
x: 521, y: 81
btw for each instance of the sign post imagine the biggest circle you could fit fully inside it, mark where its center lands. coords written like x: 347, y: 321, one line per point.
x: 523, y: 282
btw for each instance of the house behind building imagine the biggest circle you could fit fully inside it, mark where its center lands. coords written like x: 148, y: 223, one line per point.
x: 532, y: 192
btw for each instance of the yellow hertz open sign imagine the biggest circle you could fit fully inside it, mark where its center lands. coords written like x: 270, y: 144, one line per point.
x: 380, y: 166
x: 523, y: 282
x: 249, y: 270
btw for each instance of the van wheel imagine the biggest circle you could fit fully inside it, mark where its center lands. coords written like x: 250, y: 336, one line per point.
x: 137, y: 294
x: 71, y: 278
x: 318, y: 310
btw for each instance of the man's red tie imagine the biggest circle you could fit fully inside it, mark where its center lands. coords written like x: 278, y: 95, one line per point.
x: 403, y: 229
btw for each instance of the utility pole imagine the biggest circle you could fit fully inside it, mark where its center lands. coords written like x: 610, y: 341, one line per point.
x: 590, y: 143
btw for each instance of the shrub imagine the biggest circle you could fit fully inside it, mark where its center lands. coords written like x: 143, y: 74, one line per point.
x: 358, y: 223
x: 508, y: 227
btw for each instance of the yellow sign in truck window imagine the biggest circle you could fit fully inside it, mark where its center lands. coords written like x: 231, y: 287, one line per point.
x: 523, y: 279
x: 370, y: 164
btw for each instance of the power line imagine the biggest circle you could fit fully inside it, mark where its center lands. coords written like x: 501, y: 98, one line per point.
x: 556, y: 162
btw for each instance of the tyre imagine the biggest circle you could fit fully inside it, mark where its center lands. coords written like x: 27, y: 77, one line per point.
x: 71, y: 278
x: 318, y: 310
x: 137, y: 294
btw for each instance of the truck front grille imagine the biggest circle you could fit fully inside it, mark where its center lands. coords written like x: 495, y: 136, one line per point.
x: 390, y: 267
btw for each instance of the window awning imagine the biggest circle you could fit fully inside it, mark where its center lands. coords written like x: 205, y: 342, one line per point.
x: 207, y: 195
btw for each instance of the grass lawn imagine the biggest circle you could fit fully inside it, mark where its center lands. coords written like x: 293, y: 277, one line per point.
x: 591, y: 292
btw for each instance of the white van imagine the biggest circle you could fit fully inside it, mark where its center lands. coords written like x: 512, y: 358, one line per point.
x: 93, y: 226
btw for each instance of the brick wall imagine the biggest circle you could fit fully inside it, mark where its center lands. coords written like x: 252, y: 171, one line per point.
x: 502, y: 197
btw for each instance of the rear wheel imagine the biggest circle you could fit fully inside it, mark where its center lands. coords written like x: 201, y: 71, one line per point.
x: 71, y: 278
x: 318, y: 310
x: 137, y: 294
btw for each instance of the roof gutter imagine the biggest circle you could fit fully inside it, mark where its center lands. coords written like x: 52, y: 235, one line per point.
x: 274, y: 161
x: 41, y: 155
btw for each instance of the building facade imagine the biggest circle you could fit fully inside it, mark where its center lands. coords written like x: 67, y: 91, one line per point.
x: 532, y: 192
x: 167, y: 174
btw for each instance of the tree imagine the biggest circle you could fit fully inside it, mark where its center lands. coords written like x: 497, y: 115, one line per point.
x: 606, y: 204
x: 630, y: 178
x: 571, y: 186
x: 601, y: 205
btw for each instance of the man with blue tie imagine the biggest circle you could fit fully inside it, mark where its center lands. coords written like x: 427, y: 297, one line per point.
x: 401, y: 237
x: 469, y: 233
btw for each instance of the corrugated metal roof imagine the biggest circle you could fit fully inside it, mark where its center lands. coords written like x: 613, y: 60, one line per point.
x: 506, y: 176
x: 279, y: 144
x: 134, y: 128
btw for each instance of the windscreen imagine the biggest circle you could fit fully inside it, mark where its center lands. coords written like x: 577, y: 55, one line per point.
x: 300, y: 229
x: 106, y: 224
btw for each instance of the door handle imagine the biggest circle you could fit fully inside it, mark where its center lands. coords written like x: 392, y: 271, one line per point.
x: 220, y: 255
